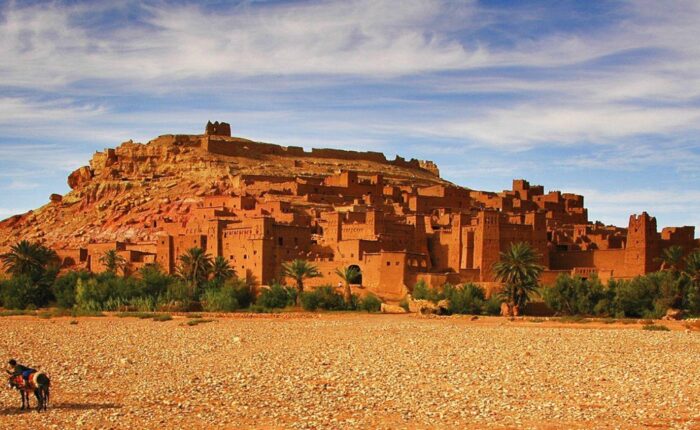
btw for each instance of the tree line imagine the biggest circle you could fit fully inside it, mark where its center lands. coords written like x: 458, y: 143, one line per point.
x: 199, y: 279
x: 214, y: 285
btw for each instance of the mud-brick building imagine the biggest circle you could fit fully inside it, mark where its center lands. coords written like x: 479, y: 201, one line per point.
x: 395, y: 230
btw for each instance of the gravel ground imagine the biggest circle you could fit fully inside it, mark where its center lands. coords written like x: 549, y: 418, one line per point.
x: 353, y: 371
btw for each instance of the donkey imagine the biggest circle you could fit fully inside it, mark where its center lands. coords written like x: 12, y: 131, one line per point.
x: 39, y: 384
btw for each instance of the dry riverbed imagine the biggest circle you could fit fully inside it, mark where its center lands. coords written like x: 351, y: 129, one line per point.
x: 354, y: 371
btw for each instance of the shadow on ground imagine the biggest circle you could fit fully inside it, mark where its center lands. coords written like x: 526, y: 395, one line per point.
x: 61, y: 406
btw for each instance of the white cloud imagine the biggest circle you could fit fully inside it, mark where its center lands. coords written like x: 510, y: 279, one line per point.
x: 524, y: 126
x: 46, y: 46
x: 669, y: 206
x: 23, y: 110
x: 567, y: 89
x: 36, y: 158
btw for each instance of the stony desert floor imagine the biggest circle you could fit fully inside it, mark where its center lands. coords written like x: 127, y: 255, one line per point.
x: 354, y: 371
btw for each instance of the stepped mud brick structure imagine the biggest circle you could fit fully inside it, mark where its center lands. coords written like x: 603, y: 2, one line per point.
x: 259, y: 205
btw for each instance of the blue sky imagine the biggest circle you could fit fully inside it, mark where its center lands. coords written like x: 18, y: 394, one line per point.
x: 600, y: 98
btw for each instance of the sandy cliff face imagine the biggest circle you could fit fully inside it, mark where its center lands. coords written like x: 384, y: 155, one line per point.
x: 127, y: 192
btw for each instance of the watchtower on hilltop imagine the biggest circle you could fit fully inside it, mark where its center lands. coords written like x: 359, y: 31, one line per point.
x: 218, y: 129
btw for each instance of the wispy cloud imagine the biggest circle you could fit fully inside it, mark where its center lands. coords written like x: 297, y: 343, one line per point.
x: 488, y: 91
x: 617, y: 206
x: 44, y: 44
x: 45, y: 157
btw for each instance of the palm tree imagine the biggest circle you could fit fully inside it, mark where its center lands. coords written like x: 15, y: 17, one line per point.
x: 348, y: 275
x: 28, y: 258
x: 194, y: 268
x: 670, y: 258
x: 518, y: 270
x: 113, y: 261
x: 300, y: 270
x: 221, y: 271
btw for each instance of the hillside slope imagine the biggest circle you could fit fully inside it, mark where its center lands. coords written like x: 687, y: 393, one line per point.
x: 125, y: 192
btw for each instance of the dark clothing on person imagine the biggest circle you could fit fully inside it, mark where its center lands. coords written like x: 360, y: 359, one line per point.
x: 24, y: 371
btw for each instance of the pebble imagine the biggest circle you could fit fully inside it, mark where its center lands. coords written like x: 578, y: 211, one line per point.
x: 352, y: 372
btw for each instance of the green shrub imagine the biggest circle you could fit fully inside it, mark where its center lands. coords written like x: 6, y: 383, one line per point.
x: 370, y: 303
x: 177, y: 298
x: 492, y: 306
x: 220, y: 300
x: 277, y: 296
x: 468, y: 299
x: 633, y: 298
x: 653, y: 327
x: 115, y: 304
x: 575, y: 295
x: 162, y: 317
x: 21, y: 292
x: 232, y: 295
x: 404, y: 304
x: 309, y: 301
x: 143, y: 304
x: 324, y: 297
x: 89, y: 294
x: 692, y: 298
x: 421, y: 291
x: 670, y: 287
x: 241, y: 290
x: 63, y: 288
x: 154, y: 282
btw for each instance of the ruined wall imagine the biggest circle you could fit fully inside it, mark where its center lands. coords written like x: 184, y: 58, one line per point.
x: 236, y: 147
x: 217, y: 129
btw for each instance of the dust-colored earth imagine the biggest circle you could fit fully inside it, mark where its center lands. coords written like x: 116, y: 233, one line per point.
x: 354, y: 371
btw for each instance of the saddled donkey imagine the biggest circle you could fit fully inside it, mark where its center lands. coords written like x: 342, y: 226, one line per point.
x: 39, y: 384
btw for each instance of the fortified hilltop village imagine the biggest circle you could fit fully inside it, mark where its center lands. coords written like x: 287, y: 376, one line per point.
x: 260, y: 205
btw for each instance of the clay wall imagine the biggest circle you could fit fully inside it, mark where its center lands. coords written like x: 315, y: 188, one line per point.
x: 679, y: 236
x: 72, y: 257
x: 384, y: 274
x: 229, y: 202
x: 487, y: 243
x: 165, y: 252
x: 183, y: 243
x: 243, y: 245
x: 609, y: 259
x: 220, y: 142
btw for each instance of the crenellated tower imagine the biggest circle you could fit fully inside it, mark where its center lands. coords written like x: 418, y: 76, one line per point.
x: 642, y: 245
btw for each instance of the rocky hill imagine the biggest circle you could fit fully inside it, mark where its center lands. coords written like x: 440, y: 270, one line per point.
x: 124, y: 193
